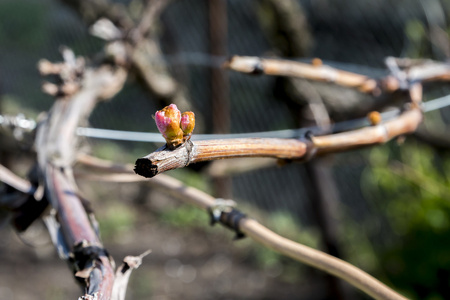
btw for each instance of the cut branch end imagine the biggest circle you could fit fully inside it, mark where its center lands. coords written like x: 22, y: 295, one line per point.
x: 145, y: 167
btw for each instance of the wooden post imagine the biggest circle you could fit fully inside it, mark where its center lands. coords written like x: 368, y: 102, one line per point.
x: 219, y: 82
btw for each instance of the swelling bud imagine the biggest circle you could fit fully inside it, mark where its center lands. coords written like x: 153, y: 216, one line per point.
x: 187, y: 124
x: 168, y: 122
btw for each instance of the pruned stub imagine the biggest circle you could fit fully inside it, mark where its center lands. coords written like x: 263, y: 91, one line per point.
x: 144, y: 167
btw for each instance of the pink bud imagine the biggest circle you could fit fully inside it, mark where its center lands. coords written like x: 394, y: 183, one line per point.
x: 168, y: 123
x: 187, y: 123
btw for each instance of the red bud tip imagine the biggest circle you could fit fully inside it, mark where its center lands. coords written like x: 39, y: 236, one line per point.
x: 187, y: 123
x: 168, y: 123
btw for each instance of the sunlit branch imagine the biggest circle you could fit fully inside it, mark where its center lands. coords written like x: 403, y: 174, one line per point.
x: 18, y: 183
x: 164, y: 159
x: 410, y: 71
x: 251, y: 228
x: 315, y: 72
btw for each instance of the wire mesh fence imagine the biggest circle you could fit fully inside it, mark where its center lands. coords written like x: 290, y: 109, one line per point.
x: 351, y: 35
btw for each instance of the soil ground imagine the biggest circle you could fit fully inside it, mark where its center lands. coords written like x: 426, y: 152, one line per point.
x: 185, y: 263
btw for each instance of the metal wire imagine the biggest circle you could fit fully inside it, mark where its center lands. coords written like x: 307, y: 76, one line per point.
x: 21, y: 122
x: 436, y: 104
x: 152, y: 137
x: 201, y: 59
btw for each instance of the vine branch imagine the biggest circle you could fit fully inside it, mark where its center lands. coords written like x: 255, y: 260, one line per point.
x: 406, y: 71
x: 56, y: 143
x: 251, y: 228
x: 164, y: 159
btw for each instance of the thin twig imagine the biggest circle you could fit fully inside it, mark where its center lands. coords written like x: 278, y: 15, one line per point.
x: 93, y: 10
x: 123, y: 273
x: 405, y: 123
x: 256, y: 231
x: 144, y: 49
x: 318, y: 259
x: 421, y: 72
x: 18, y: 183
x: 316, y: 72
x: 150, y: 15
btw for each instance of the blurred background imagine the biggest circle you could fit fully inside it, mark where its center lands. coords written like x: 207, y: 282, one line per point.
x: 385, y: 209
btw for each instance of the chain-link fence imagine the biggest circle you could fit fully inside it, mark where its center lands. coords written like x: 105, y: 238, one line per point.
x: 352, y: 35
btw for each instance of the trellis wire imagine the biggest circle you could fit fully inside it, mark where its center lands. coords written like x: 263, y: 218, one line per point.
x: 135, y: 136
x: 21, y: 122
